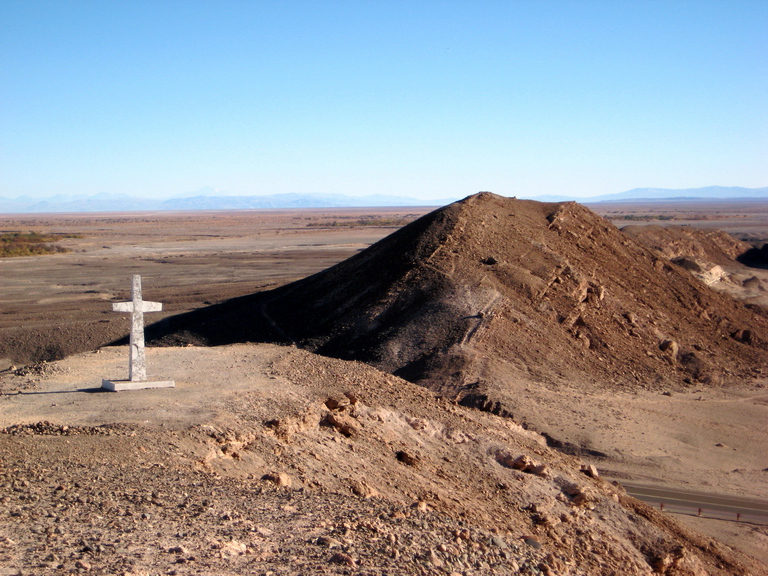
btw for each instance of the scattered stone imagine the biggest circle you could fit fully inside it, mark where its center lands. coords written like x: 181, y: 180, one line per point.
x: 280, y: 478
x: 363, y: 489
x: 578, y: 495
x: 743, y: 336
x: 46, y: 428
x: 341, y: 423
x: 532, y: 542
x: 232, y: 548
x: 670, y: 347
x: 344, y: 559
x: 407, y: 458
x: 337, y: 402
x: 522, y: 463
x: 434, y: 559
x: 328, y: 542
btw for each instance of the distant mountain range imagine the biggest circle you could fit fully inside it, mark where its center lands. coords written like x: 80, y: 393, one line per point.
x: 211, y: 199
x: 669, y: 194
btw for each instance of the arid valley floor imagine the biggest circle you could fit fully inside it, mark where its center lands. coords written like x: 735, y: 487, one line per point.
x: 268, y: 459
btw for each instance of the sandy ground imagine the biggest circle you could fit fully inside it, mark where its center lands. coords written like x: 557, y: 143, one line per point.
x: 231, y: 472
x: 746, y: 220
x: 207, y: 382
x: 714, y: 441
x: 60, y: 304
x: 703, y: 439
x: 212, y: 252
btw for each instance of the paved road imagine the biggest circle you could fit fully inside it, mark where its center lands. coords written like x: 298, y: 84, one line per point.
x: 700, y: 503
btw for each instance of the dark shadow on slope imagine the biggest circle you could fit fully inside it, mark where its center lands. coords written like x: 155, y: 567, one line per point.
x: 347, y: 311
x: 229, y: 322
x: 755, y: 257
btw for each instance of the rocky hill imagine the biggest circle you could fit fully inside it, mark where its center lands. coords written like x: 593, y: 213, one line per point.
x: 489, y: 291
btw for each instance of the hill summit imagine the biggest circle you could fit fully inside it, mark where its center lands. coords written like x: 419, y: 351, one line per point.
x: 490, y: 290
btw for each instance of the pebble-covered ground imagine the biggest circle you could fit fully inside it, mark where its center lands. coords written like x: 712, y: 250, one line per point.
x: 62, y: 513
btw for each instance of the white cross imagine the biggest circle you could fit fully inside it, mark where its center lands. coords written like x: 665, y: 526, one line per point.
x: 137, y: 366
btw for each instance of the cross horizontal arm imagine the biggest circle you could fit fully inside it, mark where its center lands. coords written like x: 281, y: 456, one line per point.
x: 145, y: 306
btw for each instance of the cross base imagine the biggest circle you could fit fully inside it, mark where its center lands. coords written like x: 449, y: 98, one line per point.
x: 118, y: 385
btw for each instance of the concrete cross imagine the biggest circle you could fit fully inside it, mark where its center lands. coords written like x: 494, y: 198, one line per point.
x: 137, y: 364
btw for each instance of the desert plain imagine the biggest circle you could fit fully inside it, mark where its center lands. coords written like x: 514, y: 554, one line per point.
x: 268, y: 459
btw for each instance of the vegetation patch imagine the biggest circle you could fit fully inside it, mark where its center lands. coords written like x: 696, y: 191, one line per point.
x: 682, y: 216
x: 365, y: 221
x: 13, y: 244
x: 643, y: 217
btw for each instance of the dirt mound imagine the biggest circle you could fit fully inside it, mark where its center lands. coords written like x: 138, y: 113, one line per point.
x: 491, y: 290
x: 269, y: 459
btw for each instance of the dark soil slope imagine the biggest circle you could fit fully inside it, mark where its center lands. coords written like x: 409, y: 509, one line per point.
x: 492, y: 289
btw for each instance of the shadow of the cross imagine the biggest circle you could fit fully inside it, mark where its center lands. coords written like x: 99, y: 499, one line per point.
x: 79, y: 390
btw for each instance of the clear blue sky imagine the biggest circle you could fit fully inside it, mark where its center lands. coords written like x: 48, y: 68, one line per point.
x: 418, y: 98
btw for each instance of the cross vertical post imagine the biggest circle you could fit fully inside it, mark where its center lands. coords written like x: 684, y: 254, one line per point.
x: 137, y: 364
